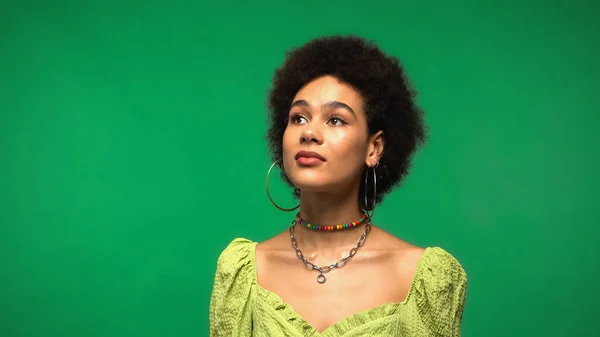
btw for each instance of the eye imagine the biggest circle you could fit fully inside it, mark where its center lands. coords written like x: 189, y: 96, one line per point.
x: 297, y: 119
x: 336, y: 121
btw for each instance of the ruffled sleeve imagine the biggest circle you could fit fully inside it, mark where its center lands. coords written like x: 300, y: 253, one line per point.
x: 440, y: 292
x: 230, y: 307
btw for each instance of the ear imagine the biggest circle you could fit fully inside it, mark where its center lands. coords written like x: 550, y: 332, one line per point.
x: 375, y: 149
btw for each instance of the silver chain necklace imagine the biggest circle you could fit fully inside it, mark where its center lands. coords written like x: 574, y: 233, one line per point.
x: 338, y: 264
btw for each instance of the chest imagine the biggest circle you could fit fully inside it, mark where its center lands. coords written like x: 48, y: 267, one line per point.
x: 357, y: 287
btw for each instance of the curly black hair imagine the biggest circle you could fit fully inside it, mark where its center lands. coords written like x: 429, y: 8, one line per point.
x: 380, y: 79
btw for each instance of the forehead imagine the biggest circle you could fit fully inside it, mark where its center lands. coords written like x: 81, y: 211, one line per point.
x: 327, y: 89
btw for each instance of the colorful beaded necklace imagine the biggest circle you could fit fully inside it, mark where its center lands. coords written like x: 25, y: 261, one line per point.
x: 352, y: 224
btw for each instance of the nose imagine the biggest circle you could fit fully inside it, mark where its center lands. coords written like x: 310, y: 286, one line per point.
x: 310, y: 134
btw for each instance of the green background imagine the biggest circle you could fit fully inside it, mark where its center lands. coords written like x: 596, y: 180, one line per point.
x: 132, y: 151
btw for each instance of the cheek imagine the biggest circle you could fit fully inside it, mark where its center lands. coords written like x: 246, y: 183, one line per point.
x: 286, y: 139
x: 349, y: 144
x: 289, y: 142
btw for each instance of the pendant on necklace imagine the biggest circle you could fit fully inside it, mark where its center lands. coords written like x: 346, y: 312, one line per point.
x: 321, y: 278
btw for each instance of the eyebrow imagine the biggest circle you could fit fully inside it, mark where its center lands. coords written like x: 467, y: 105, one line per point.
x: 327, y: 105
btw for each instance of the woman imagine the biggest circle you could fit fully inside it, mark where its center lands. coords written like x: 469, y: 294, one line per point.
x: 344, y: 126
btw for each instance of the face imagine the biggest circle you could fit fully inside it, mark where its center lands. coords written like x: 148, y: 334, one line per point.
x: 326, y: 144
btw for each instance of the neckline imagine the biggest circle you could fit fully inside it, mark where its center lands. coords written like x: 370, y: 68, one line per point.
x: 339, y: 326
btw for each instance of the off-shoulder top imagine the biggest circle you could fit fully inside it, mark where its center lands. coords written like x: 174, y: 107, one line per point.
x: 239, y: 306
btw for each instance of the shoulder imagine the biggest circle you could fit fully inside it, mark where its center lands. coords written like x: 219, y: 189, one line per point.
x: 278, y: 243
x: 439, y: 283
x: 235, y: 272
x: 275, y: 248
x: 430, y: 264
x: 238, y: 255
x: 402, y: 256
x: 272, y: 253
x: 236, y: 247
x: 439, y: 267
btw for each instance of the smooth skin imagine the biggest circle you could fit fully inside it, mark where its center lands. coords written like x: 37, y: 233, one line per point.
x: 327, y: 117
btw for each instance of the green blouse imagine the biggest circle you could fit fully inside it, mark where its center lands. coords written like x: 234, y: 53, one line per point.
x: 239, y: 306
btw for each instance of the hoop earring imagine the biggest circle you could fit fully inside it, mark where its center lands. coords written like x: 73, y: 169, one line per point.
x: 370, y: 216
x: 269, y: 195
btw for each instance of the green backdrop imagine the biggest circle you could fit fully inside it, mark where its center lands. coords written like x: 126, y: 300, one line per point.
x: 132, y: 151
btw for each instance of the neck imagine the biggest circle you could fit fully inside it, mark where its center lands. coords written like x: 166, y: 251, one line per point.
x: 328, y: 210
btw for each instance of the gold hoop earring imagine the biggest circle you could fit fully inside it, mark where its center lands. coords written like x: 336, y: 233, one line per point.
x: 370, y: 216
x: 269, y: 195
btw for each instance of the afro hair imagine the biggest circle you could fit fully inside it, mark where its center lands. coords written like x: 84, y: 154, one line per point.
x: 388, y: 97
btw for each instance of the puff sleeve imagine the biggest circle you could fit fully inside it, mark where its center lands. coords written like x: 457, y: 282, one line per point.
x: 230, y: 307
x: 441, y: 291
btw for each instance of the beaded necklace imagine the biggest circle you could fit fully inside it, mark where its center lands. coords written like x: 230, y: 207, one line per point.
x: 352, y: 224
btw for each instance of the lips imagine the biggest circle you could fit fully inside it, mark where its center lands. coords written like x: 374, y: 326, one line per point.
x: 309, y: 154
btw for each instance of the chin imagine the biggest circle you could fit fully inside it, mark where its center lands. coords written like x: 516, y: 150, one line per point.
x: 307, y: 179
x: 314, y: 181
